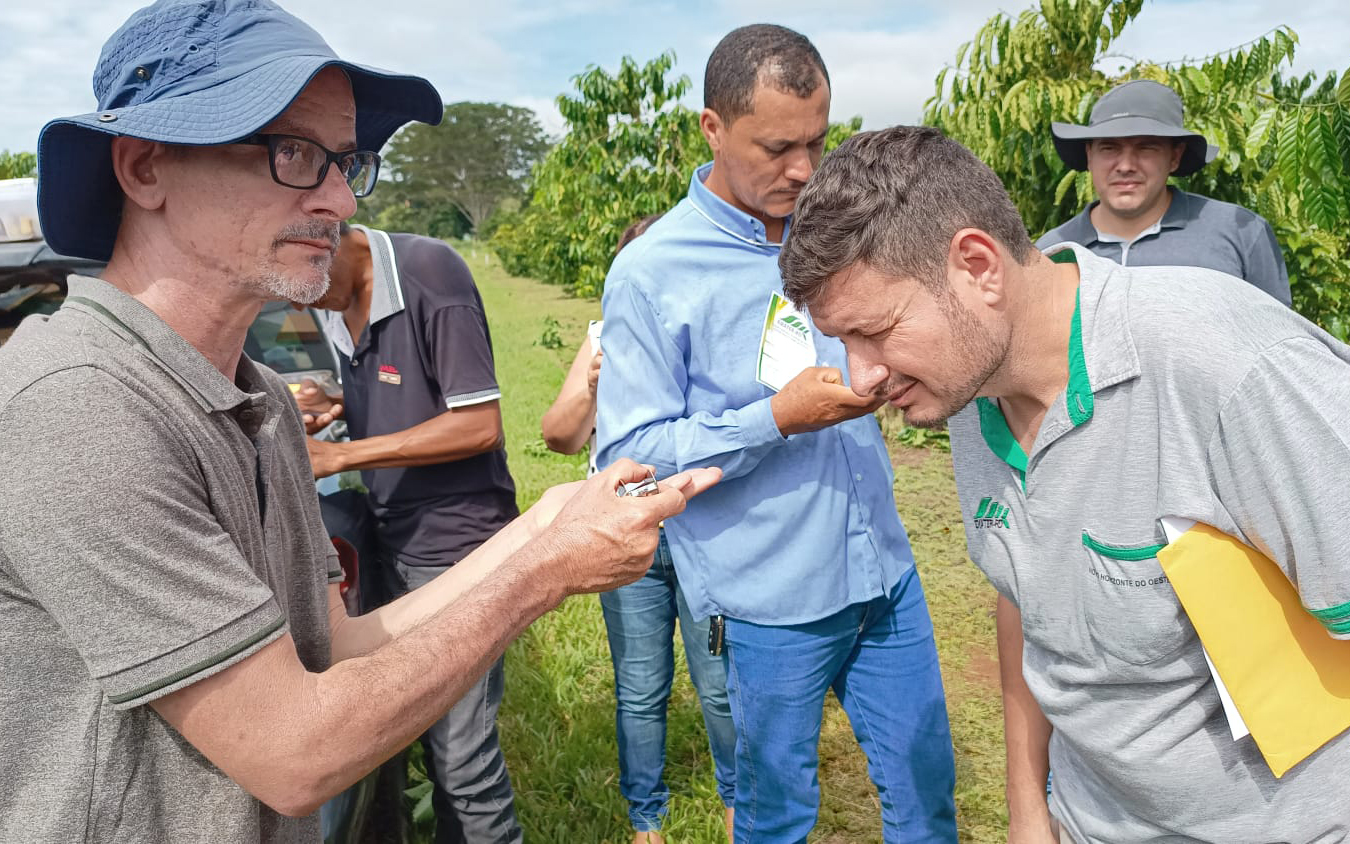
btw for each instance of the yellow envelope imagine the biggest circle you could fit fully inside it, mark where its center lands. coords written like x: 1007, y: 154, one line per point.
x: 1288, y: 678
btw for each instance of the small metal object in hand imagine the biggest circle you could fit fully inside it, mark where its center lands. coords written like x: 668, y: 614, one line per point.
x: 637, y: 489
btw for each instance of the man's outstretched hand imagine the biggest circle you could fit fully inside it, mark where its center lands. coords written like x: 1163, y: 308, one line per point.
x: 317, y: 408
x: 818, y: 398
x: 601, y: 541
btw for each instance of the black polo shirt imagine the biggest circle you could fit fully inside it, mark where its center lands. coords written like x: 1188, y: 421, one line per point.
x: 425, y: 351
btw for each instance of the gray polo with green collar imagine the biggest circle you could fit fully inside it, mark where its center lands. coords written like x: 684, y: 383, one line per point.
x: 158, y: 523
x: 1187, y: 396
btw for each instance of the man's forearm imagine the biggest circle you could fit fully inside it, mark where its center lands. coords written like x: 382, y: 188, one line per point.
x: 356, y: 636
x: 432, y: 666
x: 1026, y: 730
x: 454, y: 435
x: 306, y: 735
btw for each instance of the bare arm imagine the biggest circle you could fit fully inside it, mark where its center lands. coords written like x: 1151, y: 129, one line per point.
x: 293, y: 738
x: 568, y: 423
x: 453, y: 435
x: 1026, y: 735
x: 359, y: 635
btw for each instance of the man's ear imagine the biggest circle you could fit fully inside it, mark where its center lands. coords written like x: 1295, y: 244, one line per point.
x: 975, y: 261
x: 1178, y: 150
x: 710, y: 122
x: 139, y: 167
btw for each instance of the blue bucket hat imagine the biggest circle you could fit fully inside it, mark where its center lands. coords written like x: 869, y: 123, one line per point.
x: 197, y: 72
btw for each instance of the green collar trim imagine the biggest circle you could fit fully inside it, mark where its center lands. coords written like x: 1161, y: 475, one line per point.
x: 1078, y: 394
x: 999, y: 437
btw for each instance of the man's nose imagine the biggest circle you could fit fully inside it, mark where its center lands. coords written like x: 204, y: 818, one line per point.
x: 799, y: 167
x: 332, y: 198
x: 865, y: 376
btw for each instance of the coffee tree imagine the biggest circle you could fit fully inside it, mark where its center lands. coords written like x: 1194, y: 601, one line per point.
x: 1284, y: 143
x: 629, y: 151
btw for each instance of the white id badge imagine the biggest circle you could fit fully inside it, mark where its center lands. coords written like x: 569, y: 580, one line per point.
x: 593, y: 333
x: 785, y: 345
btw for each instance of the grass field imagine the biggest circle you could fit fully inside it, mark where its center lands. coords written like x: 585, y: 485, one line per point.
x: 557, y: 720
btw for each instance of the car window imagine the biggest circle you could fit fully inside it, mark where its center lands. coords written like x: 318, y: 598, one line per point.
x: 292, y: 343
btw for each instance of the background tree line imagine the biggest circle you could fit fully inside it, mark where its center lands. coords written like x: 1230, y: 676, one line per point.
x: 629, y: 151
x: 448, y: 180
x: 17, y: 165
x: 1284, y: 142
x: 555, y: 211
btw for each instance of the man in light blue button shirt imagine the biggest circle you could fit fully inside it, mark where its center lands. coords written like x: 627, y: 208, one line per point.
x: 799, y: 549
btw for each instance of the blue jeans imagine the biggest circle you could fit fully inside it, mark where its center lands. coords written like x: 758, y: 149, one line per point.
x: 880, y: 659
x: 640, y: 622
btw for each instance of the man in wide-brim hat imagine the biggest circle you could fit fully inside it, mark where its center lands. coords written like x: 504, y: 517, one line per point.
x: 1134, y: 140
x: 177, y: 663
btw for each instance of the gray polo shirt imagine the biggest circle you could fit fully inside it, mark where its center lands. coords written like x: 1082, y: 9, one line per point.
x: 1187, y: 396
x: 158, y: 523
x: 1195, y: 231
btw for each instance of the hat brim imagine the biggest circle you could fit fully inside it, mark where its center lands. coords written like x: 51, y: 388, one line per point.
x: 1071, y: 141
x: 79, y: 200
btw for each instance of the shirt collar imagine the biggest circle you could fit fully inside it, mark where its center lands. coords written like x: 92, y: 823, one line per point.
x: 1101, y: 354
x: 727, y: 217
x: 129, y: 319
x: 386, y: 295
x: 1177, y: 215
x: 1178, y: 212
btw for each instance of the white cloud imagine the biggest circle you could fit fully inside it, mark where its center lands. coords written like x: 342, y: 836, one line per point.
x: 1173, y: 31
x: 882, y: 55
x: 547, y: 111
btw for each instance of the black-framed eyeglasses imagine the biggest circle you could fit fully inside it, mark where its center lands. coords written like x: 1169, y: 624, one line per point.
x: 303, y: 164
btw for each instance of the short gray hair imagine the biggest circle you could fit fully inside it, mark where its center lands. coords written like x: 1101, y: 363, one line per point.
x: 892, y: 200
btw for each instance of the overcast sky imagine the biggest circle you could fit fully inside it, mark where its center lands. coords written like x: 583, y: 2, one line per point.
x: 882, y: 54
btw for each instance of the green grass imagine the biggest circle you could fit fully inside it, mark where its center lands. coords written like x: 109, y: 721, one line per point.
x: 557, y: 720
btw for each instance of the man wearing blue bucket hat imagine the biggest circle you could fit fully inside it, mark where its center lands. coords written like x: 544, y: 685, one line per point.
x: 177, y: 663
x: 1133, y: 142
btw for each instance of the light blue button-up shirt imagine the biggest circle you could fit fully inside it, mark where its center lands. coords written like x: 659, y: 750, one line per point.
x: 800, y: 527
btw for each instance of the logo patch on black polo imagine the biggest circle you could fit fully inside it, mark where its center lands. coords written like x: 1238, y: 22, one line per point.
x: 991, y: 514
x: 389, y: 375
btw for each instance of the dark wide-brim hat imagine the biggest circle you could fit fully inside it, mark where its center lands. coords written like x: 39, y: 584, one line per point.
x: 197, y: 72
x: 1138, y: 108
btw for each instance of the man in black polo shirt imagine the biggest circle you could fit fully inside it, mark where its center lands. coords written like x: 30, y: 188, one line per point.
x: 421, y: 402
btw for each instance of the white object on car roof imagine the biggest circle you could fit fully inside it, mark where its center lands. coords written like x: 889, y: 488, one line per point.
x: 18, y: 210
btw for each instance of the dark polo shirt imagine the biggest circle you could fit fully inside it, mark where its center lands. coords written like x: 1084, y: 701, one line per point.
x: 1195, y: 231
x: 425, y: 351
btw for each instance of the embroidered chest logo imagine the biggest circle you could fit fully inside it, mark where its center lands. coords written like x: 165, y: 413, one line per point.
x: 389, y: 374
x: 991, y: 514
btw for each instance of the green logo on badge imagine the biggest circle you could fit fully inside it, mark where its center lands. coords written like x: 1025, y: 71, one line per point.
x: 991, y: 514
x: 797, y: 323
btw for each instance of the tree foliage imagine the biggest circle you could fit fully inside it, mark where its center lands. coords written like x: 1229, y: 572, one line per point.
x: 17, y: 165
x: 1284, y: 142
x: 629, y: 151
x: 449, y: 179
